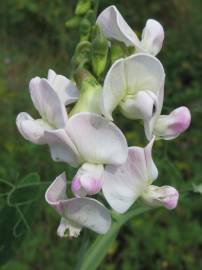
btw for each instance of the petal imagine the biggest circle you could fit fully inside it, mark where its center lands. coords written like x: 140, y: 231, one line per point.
x: 114, y: 88
x: 152, y: 37
x: 56, y: 193
x: 88, y: 213
x: 66, y: 90
x: 47, y: 102
x: 84, y: 212
x: 32, y: 130
x: 115, y: 27
x: 62, y: 148
x: 161, y: 196
x: 77, y: 189
x: 88, y: 180
x: 149, y: 124
x: 124, y: 184
x: 140, y: 106
x: 97, y: 140
x: 51, y: 75
x: 170, y: 126
x: 152, y: 171
x: 144, y: 72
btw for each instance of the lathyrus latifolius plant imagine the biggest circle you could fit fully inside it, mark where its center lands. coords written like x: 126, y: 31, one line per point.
x: 111, y: 69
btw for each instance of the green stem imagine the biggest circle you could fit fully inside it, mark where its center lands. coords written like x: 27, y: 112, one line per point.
x: 98, y: 249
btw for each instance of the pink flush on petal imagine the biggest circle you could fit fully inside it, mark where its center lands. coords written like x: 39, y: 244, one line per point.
x: 182, y: 119
x: 171, y: 201
x: 88, y: 180
x: 92, y: 185
x: 76, y: 186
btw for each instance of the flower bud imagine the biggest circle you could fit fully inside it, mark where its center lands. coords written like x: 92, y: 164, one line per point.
x: 170, y: 126
x: 82, y: 7
x: 88, y: 180
x: 99, y: 52
x: 91, y: 16
x: 82, y: 54
x: 161, y: 196
x: 85, y: 29
x: 73, y: 22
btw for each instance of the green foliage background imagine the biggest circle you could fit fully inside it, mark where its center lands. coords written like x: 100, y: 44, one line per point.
x: 33, y: 38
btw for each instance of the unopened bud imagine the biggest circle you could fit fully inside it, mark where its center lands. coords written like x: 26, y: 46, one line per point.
x: 91, y: 16
x: 82, y: 7
x: 99, y: 53
x: 82, y: 54
x: 73, y: 22
x: 161, y: 196
x: 170, y: 126
x: 85, y: 29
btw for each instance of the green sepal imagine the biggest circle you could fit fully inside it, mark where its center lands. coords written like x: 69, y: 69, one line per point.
x: 82, y: 54
x: 90, y: 89
x: 118, y: 50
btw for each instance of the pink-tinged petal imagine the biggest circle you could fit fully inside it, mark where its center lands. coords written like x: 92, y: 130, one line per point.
x: 48, y: 103
x: 77, y: 188
x: 56, y: 193
x: 80, y: 212
x: 32, y: 130
x: 140, y: 106
x: 161, y: 196
x: 115, y: 27
x: 62, y: 148
x: 97, y: 140
x: 124, y: 184
x: 88, y: 180
x: 152, y: 37
x: 65, y: 89
x: 170, y: 126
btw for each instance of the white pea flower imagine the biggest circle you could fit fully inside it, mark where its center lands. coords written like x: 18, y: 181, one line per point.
x: 136, y: 84
x: 115, y: 27
x: 91, y: 141
x: 124, y: 184
x: 76, y: 213
x: 49, y: 97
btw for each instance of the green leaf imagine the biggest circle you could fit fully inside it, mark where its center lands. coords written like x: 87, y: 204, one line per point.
x: 17, y: 213
x: 98, y: 250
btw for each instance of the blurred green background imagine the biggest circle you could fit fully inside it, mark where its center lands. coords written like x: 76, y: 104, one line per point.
x: 33, y: 38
